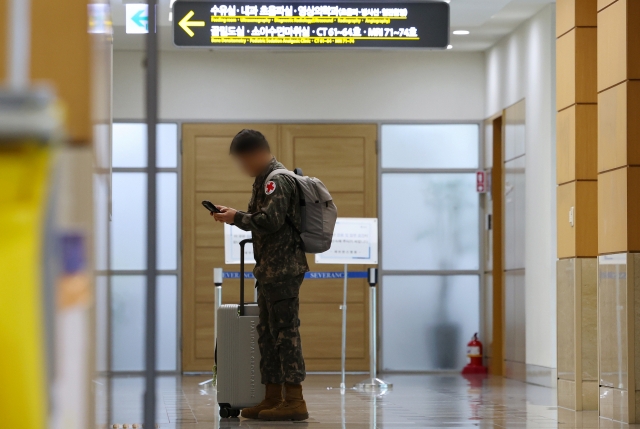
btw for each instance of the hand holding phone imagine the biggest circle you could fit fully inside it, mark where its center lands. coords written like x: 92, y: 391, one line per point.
x: 211, y: 207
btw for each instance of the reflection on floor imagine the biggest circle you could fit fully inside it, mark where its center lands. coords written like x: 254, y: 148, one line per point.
x: 417, y: 401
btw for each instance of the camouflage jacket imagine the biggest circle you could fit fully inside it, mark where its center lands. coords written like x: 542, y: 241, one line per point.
x: 273, y: 218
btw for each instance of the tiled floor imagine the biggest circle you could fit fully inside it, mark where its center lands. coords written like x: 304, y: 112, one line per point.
x: 417, y: 401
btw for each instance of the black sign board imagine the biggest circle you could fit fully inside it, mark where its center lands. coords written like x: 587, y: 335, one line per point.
x: 311, y: 25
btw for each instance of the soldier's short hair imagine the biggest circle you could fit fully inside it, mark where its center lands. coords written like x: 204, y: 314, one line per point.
x: 248, y: 141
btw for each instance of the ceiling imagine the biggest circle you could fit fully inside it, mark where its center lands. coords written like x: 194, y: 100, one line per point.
x: 486, y: 20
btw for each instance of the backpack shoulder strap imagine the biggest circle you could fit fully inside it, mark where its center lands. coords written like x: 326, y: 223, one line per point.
x: 301, y: 200
x: 280, y: 171
x: 286, y: 172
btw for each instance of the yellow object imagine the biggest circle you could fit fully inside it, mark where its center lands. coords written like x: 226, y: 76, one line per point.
x: 24, y: 174
x: 185, y: 23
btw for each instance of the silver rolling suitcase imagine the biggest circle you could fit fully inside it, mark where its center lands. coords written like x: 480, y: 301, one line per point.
x: 237, y: 354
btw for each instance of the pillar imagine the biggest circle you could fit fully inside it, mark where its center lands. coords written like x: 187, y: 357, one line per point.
x: 76, y: 64
x: 577, y: 207
x: 618, y: 207
x: 61, y: 57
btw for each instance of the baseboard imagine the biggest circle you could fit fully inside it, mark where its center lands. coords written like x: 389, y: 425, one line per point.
x: 531, y: 374
x: 542, y: 376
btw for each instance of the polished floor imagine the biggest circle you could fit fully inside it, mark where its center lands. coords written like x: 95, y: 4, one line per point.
x: 416, y: 401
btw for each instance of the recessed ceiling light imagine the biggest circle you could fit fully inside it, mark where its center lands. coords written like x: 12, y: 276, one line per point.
x: 461, y: 32
x: 450, y: 47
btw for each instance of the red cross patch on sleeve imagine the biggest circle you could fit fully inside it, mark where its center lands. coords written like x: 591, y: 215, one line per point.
x: 269, y: 187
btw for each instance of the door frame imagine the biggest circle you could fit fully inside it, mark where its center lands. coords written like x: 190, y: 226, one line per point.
x: 497, y: 363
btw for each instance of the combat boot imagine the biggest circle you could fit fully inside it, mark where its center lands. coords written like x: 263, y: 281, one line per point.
x: 293, y: 407
x: 272, y: 399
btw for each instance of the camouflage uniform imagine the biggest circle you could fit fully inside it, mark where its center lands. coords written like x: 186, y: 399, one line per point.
x: 274, y: 221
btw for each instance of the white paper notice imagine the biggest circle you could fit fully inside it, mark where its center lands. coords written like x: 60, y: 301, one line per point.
x: 232, y: 238
x: 355, y: 241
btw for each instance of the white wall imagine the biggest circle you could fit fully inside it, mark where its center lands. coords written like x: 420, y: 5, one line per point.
x: 522, y: 65
x: 308, y: 86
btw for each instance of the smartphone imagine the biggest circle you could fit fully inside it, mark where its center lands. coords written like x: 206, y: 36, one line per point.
x: 209, y: 206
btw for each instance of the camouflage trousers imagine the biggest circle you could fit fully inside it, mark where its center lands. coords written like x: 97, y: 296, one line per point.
x: 278, y: 336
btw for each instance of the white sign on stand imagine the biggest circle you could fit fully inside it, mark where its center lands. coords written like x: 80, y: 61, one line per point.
x: 355, y: 241
x: 232, y: 238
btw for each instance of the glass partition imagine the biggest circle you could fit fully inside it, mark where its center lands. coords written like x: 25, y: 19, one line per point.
x: 432, y: 146
x: 129, y: 221
x: 432, y: 316
x: 431, y: 222
x: 121, y: 296
x: 430, y: 236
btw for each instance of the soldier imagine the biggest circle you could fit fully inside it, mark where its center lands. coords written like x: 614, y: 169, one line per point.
x: 274, y: 220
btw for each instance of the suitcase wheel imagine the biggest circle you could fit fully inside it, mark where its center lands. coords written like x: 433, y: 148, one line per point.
x: 226, y: 411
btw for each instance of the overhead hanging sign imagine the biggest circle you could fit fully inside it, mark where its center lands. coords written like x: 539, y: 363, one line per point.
x: 311, y: 25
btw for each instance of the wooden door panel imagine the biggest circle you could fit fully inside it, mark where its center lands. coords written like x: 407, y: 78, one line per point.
x: 208, y: 173
x: 204, y: 316
x: 210, y: 233
x: 215, y: 169
x: 330, y: 291
x: 344, y: 157
x: 339, y: 161
x: 206, y: 260
x: 350, y: 204
x: 321, y: 327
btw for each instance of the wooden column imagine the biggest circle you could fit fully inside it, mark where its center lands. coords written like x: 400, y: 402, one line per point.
x: 618, y: 206
x: 577, y: 128
x: 497, y: 364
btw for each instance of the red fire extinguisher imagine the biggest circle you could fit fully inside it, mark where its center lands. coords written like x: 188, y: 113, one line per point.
x: 474, y: 353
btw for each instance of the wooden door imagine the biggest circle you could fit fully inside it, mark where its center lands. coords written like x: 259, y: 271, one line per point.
x: 344, y: 157
x: 208, y: 174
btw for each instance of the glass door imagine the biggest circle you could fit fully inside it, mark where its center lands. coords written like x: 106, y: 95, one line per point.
x: 430, y: 236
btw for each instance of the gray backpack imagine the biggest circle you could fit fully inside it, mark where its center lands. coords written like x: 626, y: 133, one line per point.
x: 318, y: 212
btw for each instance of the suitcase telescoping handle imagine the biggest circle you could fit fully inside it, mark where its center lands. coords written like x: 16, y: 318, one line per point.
x: 242, y: 244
